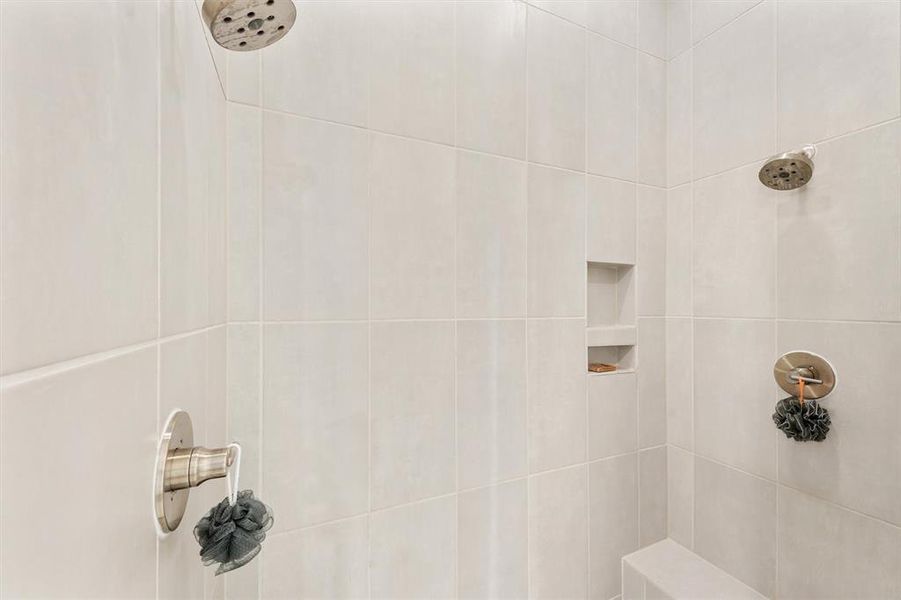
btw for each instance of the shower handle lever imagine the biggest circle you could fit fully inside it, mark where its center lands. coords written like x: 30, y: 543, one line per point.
x: 189, y: 467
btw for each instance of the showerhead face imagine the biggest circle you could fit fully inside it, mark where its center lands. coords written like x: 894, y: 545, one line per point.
x: 245, y: 25
x: 787, y: 171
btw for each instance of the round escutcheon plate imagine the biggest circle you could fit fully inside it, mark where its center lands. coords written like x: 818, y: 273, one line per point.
x: 806, y: 364
x: 170, y: 506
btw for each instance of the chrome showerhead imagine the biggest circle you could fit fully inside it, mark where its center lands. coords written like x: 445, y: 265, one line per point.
x: 788, y: 171
x: 245, y: 25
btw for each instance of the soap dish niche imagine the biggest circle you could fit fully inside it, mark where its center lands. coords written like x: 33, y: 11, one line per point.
x: 611, y: 294
x: 621, y: 356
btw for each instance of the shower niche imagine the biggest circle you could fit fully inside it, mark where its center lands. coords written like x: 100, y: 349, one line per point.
x: 611, y: 334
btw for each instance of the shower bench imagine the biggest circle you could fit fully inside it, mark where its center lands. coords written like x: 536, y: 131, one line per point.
x: 669, y: 571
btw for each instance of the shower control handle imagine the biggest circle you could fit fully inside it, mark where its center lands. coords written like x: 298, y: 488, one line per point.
x: 189, y: 467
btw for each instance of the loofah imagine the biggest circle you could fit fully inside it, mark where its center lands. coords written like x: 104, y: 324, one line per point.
x: 231, y: 535
x: 802, y: 422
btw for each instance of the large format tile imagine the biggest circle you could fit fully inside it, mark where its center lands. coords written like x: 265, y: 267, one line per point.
x: 571, y: 10
x: 678, y: 119
x: 492, y: 551
x: 735, y: 523
x: 330, y: 561
x: 193, y: 170
x: 79, y: 180
x: 557, y: 405
x: 412, y: 429
x: 845, y: 221
x: 615, y: 19
x: 652, y: 25
x: 243, y: 394
x: 612, y: 108
x: 651, y: 251
x: 613, y: 490
x: 679, y: 251
x: 491, y: 77
x: 680, y: 471
x: 733, y: 91
x: 651, y: 351
x: 708, y: 16
x: 612, y: 415
x: 556, y: 240
x: 859, y: 463
x: 678, y: 27
x: 245, y: 148
x: 831, y: 553
x: 321, y: 69
x: 734, y: 246
x: 679, y: 381
x: 412, y: 246
x: 651, y: 127
x: 491, y: 401
x: 315, y: 427
x: 612, y: 215
x: 732, y: 413
x: 316, y: 220
x: 652, y: 490
x: 850, y: 58
x: 94, y: 422
x: 558, y: 534
x: 556, y: 99
x: 411, y: 69
x: 491, y: 236
x: 412, y: 552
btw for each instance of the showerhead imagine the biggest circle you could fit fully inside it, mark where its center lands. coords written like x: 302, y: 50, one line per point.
x: 788, y: 171
x: 245, y: 25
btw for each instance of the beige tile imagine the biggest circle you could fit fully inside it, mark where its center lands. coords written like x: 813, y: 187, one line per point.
x: 709, y: 15
x: 412, y: 429
x: 748, y: 442
x: 557, y: 406
x: 612, y: 108
x: 651, y: 138
x: 846, y: 220
x: 613, y: 521
x: 245, y: 149
x: 93, y: 421
x: 633, y: 584
x: 615, y: 19
x: 412, y: 552
x: 243, y: 394
x: 828, y: 552
x: 734, y: 246
x: 652, y: 26
x: 734, y: 76
x: 556, y: 102
x: 244, y: 84
x: 865, y: 419
x: 556, y: 239
x: 851, y: 49
x: 735, y: 523
x: 491, y: 77
x: 651, y: 254
x: 315, y: 425
x: 680, y: 471
x: 411, y: 69
x: 653, y: 491
x: 612, y: 215
x: 491, y: 401
x: 193, y: 185
x: 612, y: 415
x: 679, y: 381
x: 571, y: 10
x: 651, y: 350
x: 678, y: 27
x: 330, y: 561
x: 678, y: 119
x: 679, y: 251
x: 558, y: 534
x: 412, y: 246
x: 316, y: 219
x: 491, y: 236
x: 492, y: 551
x: 79, y: 256
x: 322, y: 68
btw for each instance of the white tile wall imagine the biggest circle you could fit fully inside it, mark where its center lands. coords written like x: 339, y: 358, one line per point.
x: 736, y: 295
x: 113, y: 273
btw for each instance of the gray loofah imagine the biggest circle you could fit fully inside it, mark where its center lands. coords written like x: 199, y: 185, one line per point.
x: 802, y: 422
x: 231, y: 535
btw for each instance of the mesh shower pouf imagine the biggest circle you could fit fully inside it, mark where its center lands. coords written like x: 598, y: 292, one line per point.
x: 807, y: 422
x: 231, y: 535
